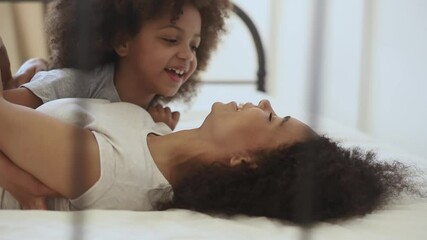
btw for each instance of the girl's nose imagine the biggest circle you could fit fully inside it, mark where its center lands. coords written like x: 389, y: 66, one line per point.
x: 186, y: 53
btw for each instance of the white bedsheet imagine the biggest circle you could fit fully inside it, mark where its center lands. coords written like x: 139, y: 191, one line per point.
x: 405, y: 219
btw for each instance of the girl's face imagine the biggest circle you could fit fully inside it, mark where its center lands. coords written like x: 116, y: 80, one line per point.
x: 162, y: 56
x: 250, y: 127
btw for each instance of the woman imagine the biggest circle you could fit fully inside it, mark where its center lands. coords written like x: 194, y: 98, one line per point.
x: 241, y: 160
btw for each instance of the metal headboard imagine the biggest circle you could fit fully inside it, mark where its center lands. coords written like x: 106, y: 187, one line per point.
x: 261, y: 73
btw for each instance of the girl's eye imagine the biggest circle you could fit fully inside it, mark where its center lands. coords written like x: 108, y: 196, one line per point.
x: 194, y: 48
x: 270, y: 116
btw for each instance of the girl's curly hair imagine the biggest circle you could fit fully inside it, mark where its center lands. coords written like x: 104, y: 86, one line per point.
x: 311, y: 181
x: 82, y: 34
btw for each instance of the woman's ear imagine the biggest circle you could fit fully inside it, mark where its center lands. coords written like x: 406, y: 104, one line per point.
x: 237, y: 160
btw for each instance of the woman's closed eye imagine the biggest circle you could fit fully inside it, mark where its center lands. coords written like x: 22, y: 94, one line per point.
x: 170, y: 40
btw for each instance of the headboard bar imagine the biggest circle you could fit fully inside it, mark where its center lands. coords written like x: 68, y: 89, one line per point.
x: 258, y: 45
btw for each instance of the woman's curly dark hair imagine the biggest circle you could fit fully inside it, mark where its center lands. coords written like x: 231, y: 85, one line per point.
x: 82, y: 34
x: 311, y: 181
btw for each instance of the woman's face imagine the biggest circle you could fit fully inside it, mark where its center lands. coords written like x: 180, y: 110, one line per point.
x: 238, y: 129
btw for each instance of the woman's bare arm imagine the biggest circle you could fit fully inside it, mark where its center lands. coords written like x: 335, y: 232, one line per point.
x: 63, y: 156
x: 26, y: 189
x: 6, y: 74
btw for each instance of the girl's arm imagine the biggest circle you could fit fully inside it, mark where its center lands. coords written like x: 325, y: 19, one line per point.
x: 63, y: 156
x: 22, y: 96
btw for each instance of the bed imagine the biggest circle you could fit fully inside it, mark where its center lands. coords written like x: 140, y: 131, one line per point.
x: 405, y: 218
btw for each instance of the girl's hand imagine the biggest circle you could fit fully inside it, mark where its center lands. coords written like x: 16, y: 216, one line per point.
x: 26, y: 189
x: 165, y: 115
x: 33, y: 65
x: 26, y: 72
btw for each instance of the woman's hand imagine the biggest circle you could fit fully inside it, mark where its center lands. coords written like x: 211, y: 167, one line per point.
x: 5, y: 75
x: 165, y: 115
x: 25, y: 188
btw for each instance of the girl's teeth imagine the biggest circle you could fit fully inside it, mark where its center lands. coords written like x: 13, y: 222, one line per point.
x: 178, y: 72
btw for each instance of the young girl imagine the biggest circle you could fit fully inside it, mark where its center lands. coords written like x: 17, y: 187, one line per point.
x: 114, y: 156
x: 137, y: 52
x: 131, y: 51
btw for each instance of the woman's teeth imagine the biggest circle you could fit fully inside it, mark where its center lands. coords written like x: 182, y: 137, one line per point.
x: 240, y: 107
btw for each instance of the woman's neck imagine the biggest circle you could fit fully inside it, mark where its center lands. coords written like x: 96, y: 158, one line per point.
x: 129, y: 87
x: 173, y: 151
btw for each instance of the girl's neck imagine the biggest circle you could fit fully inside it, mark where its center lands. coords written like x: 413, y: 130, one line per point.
x: 129, y: 87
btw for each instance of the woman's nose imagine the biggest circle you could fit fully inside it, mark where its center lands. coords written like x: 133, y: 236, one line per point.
x: 265, y: 105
